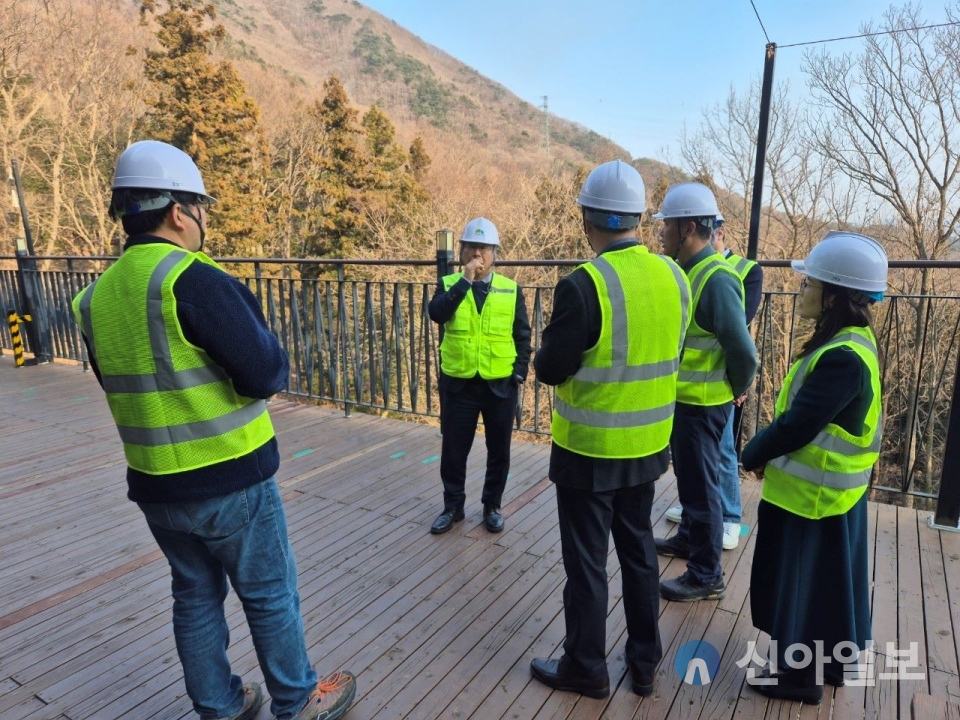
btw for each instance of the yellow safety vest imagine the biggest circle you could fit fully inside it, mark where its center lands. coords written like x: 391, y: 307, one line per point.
x: 703, y: 369
x: 741, y: 265
x: 174, y: 407
x: 481, y: 342
x: 620, y: 403
x: 829, y: 475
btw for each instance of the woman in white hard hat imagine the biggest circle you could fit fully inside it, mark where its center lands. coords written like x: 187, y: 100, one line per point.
x: 810, y: 588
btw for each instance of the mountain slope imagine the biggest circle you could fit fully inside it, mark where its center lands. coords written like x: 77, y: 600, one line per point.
x: 422, y: 88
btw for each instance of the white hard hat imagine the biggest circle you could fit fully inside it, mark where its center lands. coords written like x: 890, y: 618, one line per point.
x: 155, y: 165
x: 847, y: 259
x: 481, y: 231
x: 614, y: 187
x: 688, y: 200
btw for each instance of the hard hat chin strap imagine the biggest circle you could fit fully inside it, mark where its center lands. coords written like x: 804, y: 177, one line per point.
x: 203, y: 233
x: 185, y: 211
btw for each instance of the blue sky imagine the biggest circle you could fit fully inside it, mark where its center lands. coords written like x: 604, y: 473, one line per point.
x: 633, y: 71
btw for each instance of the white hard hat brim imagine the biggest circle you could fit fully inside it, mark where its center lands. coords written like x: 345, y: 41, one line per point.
x: 834, y: 278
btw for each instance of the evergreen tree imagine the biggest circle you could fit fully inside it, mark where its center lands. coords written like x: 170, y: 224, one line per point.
x: 419, y: 159
x: 202, y: 107
x: 339, y: 176
x: 394, y: 198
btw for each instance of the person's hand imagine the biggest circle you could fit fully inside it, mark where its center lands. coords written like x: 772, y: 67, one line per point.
x: 740, y: 400
x: 473, y: 268
x: 758, y: 472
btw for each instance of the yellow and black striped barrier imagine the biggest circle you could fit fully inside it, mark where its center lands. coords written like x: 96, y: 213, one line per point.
x: 15, y: 321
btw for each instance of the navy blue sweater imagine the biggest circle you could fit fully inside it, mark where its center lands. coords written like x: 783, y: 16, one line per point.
x: 218, y: 313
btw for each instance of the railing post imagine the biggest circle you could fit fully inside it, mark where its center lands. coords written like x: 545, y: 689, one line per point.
x: 947, y: 516
x: 444, y: 253
x: 444, y: 268
x: 344, y: 370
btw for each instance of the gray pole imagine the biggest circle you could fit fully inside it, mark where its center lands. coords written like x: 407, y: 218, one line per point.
x: 765, y: 97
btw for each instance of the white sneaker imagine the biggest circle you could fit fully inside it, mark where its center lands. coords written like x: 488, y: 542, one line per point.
x: 731, y: 535
x: 674, y: 513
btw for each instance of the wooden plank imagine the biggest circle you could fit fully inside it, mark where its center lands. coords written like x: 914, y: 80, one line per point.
x: 881, y: 697
x: 911, y: 635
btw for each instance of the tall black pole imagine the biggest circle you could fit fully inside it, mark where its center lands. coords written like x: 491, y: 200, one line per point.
x: 756, y: 206
x: 947, y: 516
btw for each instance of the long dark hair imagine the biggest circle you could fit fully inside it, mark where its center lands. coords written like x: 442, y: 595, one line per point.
x: 845, y: 312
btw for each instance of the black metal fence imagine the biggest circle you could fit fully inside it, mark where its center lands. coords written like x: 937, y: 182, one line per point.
x: 368, y: 343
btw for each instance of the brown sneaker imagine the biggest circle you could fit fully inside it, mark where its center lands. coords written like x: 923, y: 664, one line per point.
x: 332, y: 698
x: 252, y: 700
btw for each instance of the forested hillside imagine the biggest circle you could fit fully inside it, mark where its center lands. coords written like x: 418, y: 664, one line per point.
x: 323, y: 128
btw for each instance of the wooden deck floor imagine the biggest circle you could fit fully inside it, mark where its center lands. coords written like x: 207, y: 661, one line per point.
x: 434, y: 627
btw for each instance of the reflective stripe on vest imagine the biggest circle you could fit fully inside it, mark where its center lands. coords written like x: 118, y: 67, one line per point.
x: 481, y: 343
x: 740, y: 264
x: 242, y: 424
x: 615, y: 406
x: 830, y: 474
x: 702, y: 379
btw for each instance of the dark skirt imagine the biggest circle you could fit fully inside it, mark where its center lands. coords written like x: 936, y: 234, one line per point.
x: 810, y: 578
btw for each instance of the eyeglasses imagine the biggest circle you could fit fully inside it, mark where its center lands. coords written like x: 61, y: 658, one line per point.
x: 203, y: 202
x: 806, y: 283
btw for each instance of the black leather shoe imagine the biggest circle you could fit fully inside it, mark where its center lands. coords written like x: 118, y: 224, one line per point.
x: 672, y: 546
x: 642, y: 685
x: 687, y: 588
x: 833, y: 673
x: 552, y: 674
x: 492, y: 518
x: 793, y: 685
x: 445, y: 521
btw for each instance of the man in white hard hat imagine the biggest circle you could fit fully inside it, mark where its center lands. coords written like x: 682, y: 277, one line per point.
x: 612, y: 350
x: 718, y: 365
x: 751, y: 274
x: 186, y: 360
x: 484, y: 354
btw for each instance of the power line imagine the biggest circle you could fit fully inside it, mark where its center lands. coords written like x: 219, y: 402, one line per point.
x: 757, y: 13
x: 866, y: 35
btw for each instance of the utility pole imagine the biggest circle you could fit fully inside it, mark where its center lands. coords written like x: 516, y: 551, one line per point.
x: 766, y: 93
x: 545, y: 138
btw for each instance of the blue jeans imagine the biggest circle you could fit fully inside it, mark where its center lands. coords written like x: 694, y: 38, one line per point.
x: 241, y: 536
x: 729, y: 475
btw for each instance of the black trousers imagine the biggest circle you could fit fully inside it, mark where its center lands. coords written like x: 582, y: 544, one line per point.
x: 458, y: 421
x: 587, y: 519
x: 695, y: 446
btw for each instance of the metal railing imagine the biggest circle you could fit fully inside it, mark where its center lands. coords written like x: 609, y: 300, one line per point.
x: 364, y: 342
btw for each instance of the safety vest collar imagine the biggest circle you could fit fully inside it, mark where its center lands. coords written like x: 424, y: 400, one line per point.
x: 165, y: 378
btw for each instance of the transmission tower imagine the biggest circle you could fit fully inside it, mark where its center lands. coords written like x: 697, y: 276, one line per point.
x: 545, y: 138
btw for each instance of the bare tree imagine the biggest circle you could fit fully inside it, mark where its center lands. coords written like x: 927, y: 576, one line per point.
x: 890, y: 121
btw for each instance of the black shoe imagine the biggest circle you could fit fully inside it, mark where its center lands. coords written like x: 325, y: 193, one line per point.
x: 793, y: 685
x: 642, y: 685
x: 492, y: 518
x: 687, y: 588
x: 552, y: 673
x: 833, y: 674
x: 673, y: 546
x: 445, y: 521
